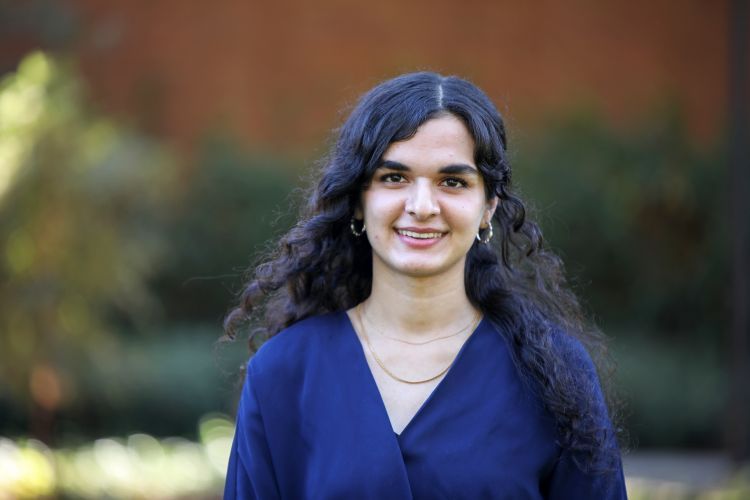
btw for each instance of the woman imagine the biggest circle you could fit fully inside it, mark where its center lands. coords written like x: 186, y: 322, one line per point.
x: 423, y: 344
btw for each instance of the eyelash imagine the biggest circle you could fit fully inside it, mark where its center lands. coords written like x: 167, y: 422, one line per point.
x: 389, y: 178
x: 462, y: 183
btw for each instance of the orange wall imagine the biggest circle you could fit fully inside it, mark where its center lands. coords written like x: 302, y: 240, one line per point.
x: 278, y: 72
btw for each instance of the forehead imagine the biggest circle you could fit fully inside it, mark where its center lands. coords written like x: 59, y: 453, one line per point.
x: 438, y: 141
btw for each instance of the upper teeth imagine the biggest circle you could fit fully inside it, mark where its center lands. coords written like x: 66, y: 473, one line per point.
x: 425, y: 236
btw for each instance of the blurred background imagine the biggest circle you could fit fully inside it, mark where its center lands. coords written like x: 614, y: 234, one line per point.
x: 150, y: 149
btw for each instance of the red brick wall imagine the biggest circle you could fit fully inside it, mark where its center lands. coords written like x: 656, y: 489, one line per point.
x: 278, y: 72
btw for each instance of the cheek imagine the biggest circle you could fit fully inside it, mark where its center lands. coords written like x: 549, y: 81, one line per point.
x: 381, y: 208
x: 467, y: 215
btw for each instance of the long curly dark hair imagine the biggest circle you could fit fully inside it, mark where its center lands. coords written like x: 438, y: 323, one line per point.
x: 319, y: 267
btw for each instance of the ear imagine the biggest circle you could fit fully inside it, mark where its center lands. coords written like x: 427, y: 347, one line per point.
x: 358, y: 214
x: 490, y: 210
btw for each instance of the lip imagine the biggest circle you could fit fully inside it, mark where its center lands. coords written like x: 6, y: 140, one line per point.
x: 421, y: 229
x: 419, y: 243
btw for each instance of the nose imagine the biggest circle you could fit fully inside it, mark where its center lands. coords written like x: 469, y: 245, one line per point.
x: 421, y: 202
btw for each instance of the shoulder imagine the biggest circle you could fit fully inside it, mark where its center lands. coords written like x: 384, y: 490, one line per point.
x: 598, y: 450
x: 561, y: 365
x: 572, y: 351
x: 298, y: 342
x: 583, y: 374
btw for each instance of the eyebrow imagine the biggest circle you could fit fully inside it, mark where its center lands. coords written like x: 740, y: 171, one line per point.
x: 453, y: 168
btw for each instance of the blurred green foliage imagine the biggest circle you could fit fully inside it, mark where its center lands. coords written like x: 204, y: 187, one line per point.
x: 162, y: 385
x: 82, y: 204
x: 110, y: 247
x: 109, y: 244
x: 139, y: 466
x: 676, y: 392
x: 638, y: 217
x: 235, y: 202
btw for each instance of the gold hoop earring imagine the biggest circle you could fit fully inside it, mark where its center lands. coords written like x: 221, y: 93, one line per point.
x: 353, y: 227
x: 488, y: 236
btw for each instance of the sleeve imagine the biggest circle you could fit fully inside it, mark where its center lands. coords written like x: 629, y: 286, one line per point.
x: 250, y: 473
x: 606, y: 480
x: 569, y: 481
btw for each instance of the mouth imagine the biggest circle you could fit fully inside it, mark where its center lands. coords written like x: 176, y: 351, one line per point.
x: 420, y: 238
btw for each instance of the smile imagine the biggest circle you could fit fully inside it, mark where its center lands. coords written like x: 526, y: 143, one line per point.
x: 420, y: 236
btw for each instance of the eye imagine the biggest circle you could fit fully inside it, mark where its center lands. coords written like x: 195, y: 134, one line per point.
x: 392, y: 178
x: 454, y: 182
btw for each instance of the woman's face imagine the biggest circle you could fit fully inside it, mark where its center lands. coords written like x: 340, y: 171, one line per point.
x: 426, y: 201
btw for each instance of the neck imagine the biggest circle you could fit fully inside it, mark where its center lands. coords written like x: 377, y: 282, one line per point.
x: 414, y: 307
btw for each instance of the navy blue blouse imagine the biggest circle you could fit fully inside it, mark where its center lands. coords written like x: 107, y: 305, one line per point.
x: 311, y: 424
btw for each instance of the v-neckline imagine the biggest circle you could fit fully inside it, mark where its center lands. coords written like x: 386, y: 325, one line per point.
x: 374, y: 385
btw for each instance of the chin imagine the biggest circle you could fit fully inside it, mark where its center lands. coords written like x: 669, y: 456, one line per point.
x: 421, y: 269
x: 419, y: 272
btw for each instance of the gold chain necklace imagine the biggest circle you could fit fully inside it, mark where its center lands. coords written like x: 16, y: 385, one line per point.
x: 390, y: 373
x: 424, y: 342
